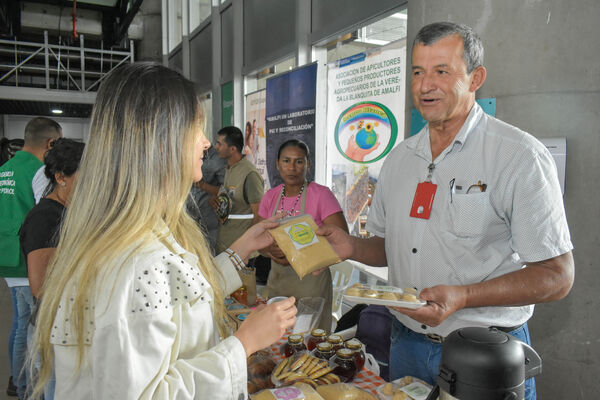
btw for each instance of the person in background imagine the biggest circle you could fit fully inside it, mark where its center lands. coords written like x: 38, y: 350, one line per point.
x: 295, y: 196
x: 213, y: 176
x: 16, y: 199
x: 133, y: 305
x: 40, y: 230
x: 243, y: 185
x: 469, y: 212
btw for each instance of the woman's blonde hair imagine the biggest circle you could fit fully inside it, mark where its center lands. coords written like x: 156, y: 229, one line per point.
x: 136, y: 173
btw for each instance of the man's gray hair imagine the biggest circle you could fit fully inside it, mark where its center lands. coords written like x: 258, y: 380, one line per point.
x: 473, y: 48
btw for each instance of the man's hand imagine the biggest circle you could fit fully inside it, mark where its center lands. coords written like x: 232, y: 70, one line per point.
x: 338, y: 239
x: 442, y: 301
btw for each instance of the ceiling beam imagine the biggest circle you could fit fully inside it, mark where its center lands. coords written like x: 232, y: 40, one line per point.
x: 36, y: 94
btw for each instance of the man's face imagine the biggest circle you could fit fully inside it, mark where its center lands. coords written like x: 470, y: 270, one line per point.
x: 441, y: 87
x: 222, y: 148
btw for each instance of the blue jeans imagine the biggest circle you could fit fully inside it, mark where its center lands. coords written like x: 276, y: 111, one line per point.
x: 24, y: 308
x: 13, y: 328
x: 413, y: 354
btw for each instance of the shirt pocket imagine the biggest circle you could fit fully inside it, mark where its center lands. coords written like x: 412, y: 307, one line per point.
x: 469, y: 214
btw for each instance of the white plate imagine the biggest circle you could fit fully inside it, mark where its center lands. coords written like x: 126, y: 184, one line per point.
x: 382, y: 302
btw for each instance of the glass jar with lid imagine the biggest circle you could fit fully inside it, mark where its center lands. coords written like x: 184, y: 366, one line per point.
x: 316, y: 336
x: 324, y: 351
x: 295, y: 344
x: 344, y: 364
x: 359, y: 355
x: 336, y: 341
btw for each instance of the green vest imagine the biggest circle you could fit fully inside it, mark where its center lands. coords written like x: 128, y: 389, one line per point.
x: 240, y: 177
x: 16, y: 199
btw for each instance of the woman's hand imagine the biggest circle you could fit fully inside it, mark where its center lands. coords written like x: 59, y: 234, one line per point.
x: 266, y: 325
x: 255, y: 238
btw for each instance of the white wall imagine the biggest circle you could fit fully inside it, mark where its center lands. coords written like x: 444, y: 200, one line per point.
x: 73, y: 128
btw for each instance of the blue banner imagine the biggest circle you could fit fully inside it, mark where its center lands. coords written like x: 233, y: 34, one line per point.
x: 290, y: 114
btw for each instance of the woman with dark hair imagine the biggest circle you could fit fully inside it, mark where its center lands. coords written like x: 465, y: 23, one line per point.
x: 39, y: 232
x: 296, y: 196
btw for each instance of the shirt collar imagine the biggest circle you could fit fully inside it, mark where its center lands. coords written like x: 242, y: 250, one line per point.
x: 422, y: 145
x: 164, y: 234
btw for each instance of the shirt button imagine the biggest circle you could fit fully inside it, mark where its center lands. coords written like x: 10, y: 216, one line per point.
x: 423, y: 326
x: 414, y: 250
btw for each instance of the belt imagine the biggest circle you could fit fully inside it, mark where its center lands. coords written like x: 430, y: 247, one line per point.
x: 241, y: 216
x: 435, y: 338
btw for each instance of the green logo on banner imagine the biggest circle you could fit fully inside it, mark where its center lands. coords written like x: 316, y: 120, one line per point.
x: 366, y: 132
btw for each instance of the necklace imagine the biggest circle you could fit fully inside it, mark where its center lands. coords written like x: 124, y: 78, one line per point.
x: 293, y: 210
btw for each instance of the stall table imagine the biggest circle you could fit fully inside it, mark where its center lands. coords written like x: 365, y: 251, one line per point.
x: 365, y: 379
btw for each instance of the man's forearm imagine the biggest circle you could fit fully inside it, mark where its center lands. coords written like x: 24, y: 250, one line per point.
x: 539, y: 282
x: 369, y: 251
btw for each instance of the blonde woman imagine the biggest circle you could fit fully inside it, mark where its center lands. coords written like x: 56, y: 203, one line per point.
x: 133, y: 305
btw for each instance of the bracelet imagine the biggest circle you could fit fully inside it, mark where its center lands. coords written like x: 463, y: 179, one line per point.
x: 235, y: 259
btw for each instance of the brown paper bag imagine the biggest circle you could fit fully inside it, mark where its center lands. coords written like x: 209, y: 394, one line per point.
x: 303, y: 248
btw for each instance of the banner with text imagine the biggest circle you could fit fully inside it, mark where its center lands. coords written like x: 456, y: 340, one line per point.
x: 365, y: 120
x: 290, y: 110
x: 254, y: 133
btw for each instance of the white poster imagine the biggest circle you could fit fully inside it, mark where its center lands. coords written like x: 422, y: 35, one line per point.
x: 255, y: 147
x: 365, y: 121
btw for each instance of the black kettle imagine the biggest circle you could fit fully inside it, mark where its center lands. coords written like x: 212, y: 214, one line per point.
x: 484, y: 364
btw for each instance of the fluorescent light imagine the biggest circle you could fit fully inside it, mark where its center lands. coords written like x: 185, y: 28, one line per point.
x: 399, y: 15
x: 57, y: 111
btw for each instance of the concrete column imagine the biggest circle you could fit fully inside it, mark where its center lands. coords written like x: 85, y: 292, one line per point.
x: 238, y: 63
x: 303, y: 45
x: 216, y: 65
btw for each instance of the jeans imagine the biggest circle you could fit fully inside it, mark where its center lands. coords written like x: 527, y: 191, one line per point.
x: 413, y: 354
x: 13, y: 328
x: 24, y: 308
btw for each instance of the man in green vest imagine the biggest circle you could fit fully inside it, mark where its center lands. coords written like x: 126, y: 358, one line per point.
x: 16, y: 199
x: 243, y: 184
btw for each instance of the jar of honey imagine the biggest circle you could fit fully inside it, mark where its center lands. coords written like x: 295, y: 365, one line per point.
x: 294, y: 345
x: 324, y: 351
x: 345, y: 366
x: 241, y: 295
x: 316, y: 336
x: 336, y: 341
x: 359, y: 355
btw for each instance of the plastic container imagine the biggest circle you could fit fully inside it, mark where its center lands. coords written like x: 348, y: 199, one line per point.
x: 383, y: 295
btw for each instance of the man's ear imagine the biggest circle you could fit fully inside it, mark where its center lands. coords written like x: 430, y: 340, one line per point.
x: 477, y: 78
x: 49, y: 143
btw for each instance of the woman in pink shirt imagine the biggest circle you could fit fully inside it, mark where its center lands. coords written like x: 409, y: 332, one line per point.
x: 296, y: 196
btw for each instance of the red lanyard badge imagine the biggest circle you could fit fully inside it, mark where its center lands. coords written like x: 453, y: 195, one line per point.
x: 424, y: 195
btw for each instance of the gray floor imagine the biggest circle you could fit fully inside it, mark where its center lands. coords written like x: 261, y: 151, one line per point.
x: 5, y: 324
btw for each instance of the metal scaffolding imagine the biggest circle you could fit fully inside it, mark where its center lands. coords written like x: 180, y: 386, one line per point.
x: 57, y: 66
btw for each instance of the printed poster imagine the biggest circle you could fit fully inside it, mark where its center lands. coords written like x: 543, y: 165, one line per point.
x: 365, y: 121
x: 290, y: 114
x: 255, y: 144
